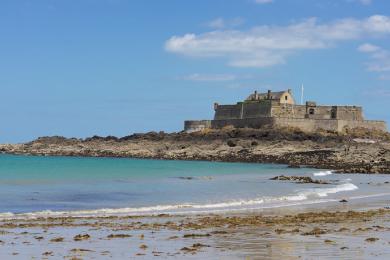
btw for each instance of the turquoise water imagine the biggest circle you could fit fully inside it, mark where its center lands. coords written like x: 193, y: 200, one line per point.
x: 55, y: 185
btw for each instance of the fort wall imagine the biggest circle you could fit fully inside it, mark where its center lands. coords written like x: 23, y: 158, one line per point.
x: 349, y: 113
x: 278, y: 109
x: 367, y: 124
x: 228, y: 112
x: 243, y: 110
x: 305, y: 124
x: 258, y: 109
x: 196, y: 125
x: 242, y: 123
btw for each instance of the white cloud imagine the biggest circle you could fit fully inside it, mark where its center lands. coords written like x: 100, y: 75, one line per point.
x: 217, y: 23
x: 377, y: 92
x: 379, y: 60
x: 367, y: 47
x: 265, y: 46
x: 209, y: 77
x: 221, y: 23
x: 365, y: 2
x: 263, y: 1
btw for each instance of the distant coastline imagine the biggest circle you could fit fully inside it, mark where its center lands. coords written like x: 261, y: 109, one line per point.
x: 355, y: 152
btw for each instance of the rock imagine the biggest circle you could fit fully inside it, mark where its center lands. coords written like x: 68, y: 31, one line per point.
x: 81, y: 237
x: 299, y: 179
x: 57, y: 239
x: 195, y: 235
x: 328, y: 241
x: 143, y: 247
x: 118, y: 236
x: 231, y: 143
x: 372, y: 239
x: 80, y: 250
x: 315, y: 232
x: 324, y: 150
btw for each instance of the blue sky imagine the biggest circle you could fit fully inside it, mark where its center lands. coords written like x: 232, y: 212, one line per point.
x: 114, y: 67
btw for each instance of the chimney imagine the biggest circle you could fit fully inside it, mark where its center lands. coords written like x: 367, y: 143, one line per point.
x: 256, y: 95
x: 216, y: 106
x: 269, y: 94
x: 289, y: 91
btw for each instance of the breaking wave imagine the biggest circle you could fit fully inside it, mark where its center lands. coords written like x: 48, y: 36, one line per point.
x: 323, y: 173
x: 306, y: 196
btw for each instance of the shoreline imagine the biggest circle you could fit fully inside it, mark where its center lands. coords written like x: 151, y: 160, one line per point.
x: 108, y: 213
x: 343, y: 231
x: 297, y: 149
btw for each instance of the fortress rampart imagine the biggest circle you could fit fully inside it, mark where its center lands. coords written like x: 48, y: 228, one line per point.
x: 278, y: 109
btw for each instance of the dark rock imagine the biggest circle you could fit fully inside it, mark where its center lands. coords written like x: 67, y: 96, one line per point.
x: 231, y: 143
x: 299, y: 179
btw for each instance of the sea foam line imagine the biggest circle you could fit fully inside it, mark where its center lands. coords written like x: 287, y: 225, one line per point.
x: 264, y: 202
x: 322, y: 173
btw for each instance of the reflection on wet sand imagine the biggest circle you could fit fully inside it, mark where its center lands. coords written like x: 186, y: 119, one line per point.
x: 301, y: 235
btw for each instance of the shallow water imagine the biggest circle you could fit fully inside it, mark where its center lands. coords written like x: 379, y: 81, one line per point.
x: 101, y: 186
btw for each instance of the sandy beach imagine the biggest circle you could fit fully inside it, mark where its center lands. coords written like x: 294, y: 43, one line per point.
x: 357, y: 229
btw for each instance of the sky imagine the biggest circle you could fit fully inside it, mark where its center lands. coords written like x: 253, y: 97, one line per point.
x: 78, y: 68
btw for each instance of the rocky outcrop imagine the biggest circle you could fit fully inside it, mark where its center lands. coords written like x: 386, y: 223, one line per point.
x: 285, y: 146
x: 299, y: 179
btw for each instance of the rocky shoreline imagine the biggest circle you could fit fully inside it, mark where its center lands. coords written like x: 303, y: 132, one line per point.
x: 353, y: 152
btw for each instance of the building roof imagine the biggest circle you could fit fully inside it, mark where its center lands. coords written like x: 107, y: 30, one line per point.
x: 260, y: 96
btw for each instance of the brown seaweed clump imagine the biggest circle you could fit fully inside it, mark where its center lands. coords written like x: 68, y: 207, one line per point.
x: 81, y: 237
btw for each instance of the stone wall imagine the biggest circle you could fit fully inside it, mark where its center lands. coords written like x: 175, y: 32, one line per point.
x: 311, y: 125
x: 257, y: 109
x: 194, y: 126
x: 368, y: 124
x: 349, y: 113
x: 243, y: 110
x: 228, y: 112
x: 291, y: 111
x: 242, y: 123
x: 305, y: 124
x: 309, y: 117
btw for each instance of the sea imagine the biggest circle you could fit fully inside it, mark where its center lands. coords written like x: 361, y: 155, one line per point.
x: 41, y: 186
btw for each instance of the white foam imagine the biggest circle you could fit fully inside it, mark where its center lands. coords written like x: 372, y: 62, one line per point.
x: 322, y: 173
x: 263, y: 202
x: 324, y: 192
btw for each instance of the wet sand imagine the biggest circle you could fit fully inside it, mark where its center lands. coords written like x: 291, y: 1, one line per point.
x: 349, y: 230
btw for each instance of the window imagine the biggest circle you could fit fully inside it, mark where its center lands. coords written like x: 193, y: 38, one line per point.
x: 285, y: 98
x: 333, y: 114
x: 311, y: 111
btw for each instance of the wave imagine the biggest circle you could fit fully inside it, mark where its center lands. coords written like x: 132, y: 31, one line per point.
x: 323, y: 192
x: 299, y: 198
x: 322, y: 173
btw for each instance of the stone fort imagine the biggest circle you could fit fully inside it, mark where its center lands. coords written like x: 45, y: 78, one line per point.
x: 278, y: 109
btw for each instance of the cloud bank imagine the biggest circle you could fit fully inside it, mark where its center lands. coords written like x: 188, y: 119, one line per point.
x: 221, y: 23
x: 265, y: 45
x: 379, y: 59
